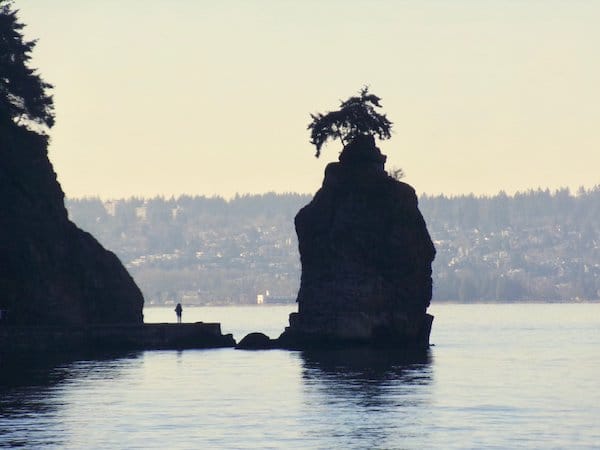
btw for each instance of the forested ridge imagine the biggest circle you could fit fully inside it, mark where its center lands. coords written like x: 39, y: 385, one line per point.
x: 532, y: 246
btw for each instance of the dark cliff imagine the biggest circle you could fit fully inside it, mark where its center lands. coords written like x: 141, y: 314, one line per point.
x: 51, y: 272
x: 366, y: 258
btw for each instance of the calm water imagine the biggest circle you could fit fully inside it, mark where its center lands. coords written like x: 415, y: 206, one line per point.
x: 499, y: 376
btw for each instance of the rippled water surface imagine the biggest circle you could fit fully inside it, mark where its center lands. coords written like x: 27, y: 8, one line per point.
x: 499, y: 376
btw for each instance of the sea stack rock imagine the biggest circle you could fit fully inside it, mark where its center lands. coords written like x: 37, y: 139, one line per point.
x: 366, y: 259
x: 51, y: 272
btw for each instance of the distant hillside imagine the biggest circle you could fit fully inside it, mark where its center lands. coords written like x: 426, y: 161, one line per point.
x: 533, y: 246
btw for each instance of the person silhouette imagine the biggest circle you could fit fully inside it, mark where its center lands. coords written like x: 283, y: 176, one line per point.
x: 178, y: 310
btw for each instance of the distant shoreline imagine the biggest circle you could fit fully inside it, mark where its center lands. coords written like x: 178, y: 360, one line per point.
x: 433, y: 303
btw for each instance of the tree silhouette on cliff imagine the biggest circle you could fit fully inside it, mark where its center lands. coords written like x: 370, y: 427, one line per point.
x: 24, y: 100
x: 356, y: 117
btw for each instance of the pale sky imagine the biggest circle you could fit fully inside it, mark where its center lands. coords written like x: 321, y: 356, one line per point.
x: 169, y: 97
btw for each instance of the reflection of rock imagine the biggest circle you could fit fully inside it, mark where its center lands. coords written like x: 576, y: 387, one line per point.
x: 29, y: 394
x: 372, y: 398
x: 366, y: 259
x: 369, y: 364
x: 40, y: 369
x: 51, y: 272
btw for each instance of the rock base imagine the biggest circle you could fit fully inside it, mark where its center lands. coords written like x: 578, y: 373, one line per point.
x: 356, y: 329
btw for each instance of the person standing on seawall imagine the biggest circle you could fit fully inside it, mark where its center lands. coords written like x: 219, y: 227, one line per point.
x: 178, y: 311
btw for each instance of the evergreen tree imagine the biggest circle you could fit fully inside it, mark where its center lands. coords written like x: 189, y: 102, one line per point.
x: 24, y: 98
x: 356, y: 116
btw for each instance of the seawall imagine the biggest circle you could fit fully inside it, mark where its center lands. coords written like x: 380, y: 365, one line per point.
x: 50, y: 339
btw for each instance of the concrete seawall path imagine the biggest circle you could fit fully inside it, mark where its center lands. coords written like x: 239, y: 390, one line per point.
x: 159, y: 336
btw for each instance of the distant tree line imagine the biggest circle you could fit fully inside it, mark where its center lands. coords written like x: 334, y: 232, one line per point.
x: 201, y: 249
x: 536, y: 245
x: 533, y: 246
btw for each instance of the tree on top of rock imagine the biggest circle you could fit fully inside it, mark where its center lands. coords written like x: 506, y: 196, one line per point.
x: 356, y: 117
x: 23, y: 94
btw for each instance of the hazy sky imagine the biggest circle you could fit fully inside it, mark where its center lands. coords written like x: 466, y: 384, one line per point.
x: 213, y: 97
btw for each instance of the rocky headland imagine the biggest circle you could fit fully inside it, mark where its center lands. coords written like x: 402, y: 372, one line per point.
x: 52, y: 273
x: 366, y: 259
x: 60, y: 290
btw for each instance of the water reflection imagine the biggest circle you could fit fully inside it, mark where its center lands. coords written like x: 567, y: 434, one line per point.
x: 32, y: 393
x: 365, y: 366
x: 45, y: 370
x: 378, y: 398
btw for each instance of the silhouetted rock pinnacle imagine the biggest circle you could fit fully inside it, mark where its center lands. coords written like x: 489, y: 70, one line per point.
x: 366, y: 258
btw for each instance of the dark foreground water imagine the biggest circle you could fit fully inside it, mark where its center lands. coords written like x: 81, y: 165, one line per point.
x: 499, y: 376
